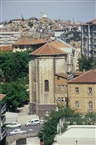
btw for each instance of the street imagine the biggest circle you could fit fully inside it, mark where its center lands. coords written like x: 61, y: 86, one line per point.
x: 30, y: 129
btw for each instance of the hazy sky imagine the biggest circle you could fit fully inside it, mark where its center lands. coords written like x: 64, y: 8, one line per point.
x: 77, y: 10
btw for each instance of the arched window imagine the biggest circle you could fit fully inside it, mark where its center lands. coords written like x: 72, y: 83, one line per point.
x: 90, y: 105
x: 46, y: 85
x: 77, y: 104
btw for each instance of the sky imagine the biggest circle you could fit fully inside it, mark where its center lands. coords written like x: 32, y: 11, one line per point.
x: 74, y: 10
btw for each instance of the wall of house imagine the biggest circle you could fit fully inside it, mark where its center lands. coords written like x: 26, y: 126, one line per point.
x: 41, y: 69
x: 83, y: 97
x: 60, y: 92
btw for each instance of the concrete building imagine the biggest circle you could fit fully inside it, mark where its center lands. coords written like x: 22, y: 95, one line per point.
x: 2, y: 120
x: 88, y: 44
x: 7, y: 38
x: 61, y: 88
x: 77, y: 135
x: 82, y: 92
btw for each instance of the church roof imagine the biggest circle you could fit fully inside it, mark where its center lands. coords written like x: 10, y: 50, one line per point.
x: 48, y: 49
x: 87, y: 77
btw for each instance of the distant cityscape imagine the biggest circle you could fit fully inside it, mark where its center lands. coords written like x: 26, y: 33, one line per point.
x: 54, y: 77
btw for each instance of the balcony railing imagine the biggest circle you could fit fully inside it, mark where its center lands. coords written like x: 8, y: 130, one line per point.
x: 3, y: 119
x: 3, y: 108
x: 3, y: 134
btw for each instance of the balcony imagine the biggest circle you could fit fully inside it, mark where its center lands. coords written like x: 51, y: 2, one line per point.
x: 3, y: 134
x: 3, y: 119
x: 3, y: 108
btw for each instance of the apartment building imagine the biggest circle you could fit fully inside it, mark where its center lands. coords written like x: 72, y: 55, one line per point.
x: 82, y: 92
x: 7, y: 38
x: 2, y: 119
x: 88, y: 37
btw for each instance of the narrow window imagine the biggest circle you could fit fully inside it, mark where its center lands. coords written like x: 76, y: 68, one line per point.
x: 77, y: 104
x: 76, y: 90
x: 46, y: 85
x: 58, y: 87
x: 90, y: 105
x: 62, y: 87
x: 89, y: 90
x: 57, y: 77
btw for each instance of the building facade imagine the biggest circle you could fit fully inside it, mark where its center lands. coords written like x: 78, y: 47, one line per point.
x: 25, y: 44
x: 82, y: 92
x: 7, y: 38
x: 2, y: 119
x: 88, y: 39
x: 45, y: 63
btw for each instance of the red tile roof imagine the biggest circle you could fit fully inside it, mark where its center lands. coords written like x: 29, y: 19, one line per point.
x: 6, y: 48
x: 91, y: 22
x: 2, y: 96
x: 76, y: 74
x: 86, y: 77
x: 26, y: 41
x: 48, y: 49
x: 59, y: 44
x: 62, y: 75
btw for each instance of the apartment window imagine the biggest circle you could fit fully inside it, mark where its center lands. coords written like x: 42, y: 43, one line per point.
x: 57, y: 77
x: 58, y: 99
x: 62, y: 99
x: 90, y: 105
x: 77, y: 90
x: 62, y: 87
x: 66, y: 87
x: 89, y: 90
x: 77, y: 104
x: 58, y: 87
x: 46, y: 85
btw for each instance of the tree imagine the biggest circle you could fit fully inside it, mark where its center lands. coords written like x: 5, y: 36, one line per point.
x: 86, y: 64
x: 49, y: 128
x: 15, y: 94
x: 14, y: 65
x: 30, y: 24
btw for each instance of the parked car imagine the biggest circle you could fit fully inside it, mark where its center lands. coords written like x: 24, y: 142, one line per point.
x: 13, y: 125
x: 33, y: 122
x: 18, y: 131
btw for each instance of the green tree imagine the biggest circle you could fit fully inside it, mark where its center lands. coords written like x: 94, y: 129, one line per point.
x: 15, y: 94
x: 14, y: 65
x: 49, y: 128
x: 30, y: 24
x: 86, y: 64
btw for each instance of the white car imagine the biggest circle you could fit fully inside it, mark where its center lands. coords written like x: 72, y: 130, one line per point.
x: 33, y: 122
x: 13, y: 125
x: 18, y: 131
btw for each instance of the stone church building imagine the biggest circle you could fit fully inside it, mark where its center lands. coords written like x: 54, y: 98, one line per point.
x: 47, y: 79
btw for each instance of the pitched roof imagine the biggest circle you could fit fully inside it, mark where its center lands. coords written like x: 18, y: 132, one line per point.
x: 58, y: 44
x: 6, y: 48
x: 62, y: 75
x: 48, y: 49
x: 87, y: 77
x: 91, y: 22
x: 76, y: 74
x: 32, y: 41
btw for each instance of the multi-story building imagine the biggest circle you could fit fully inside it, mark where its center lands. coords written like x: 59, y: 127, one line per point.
x: 7, y: 38
x: 88, y: 44
x: 25, y: 44
x: 2, y: 119
x: 82, y: 92
x: 48, y: 70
